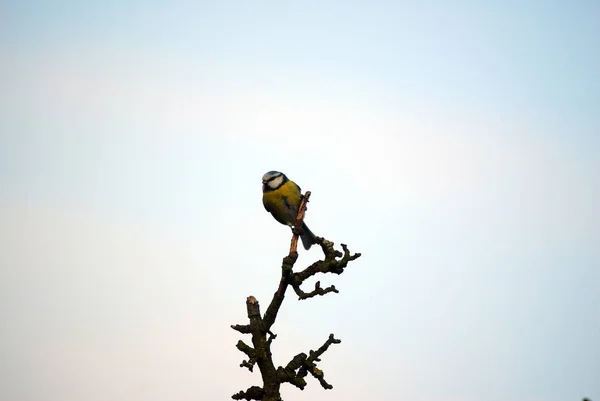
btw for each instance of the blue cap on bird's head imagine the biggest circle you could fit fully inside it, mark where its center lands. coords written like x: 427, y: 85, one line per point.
x: 271, y: 175
x: 273, y: 180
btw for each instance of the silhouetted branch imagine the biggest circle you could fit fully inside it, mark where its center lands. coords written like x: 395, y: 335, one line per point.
x: 253, y: 393
x: 248, y: 364
x: 331, y: 264
x: 260, y: 327
x: 304, y: 365
x: 242, y: 328
x: 314, y: 357
x: 317, y: 291
x: 248, y: 350
x: 286, y: 272
x: 271, y: 337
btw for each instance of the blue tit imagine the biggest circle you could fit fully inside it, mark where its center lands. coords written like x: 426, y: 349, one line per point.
x: 281, y: 198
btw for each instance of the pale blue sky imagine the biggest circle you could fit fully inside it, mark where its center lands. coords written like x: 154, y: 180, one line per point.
x: 457, y: 146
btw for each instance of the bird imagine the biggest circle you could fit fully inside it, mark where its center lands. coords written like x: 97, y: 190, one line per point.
x: 281, y: 198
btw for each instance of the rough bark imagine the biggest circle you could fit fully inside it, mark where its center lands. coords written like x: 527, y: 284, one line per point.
x: 259, y: 326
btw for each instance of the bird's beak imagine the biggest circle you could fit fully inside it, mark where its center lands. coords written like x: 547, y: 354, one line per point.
x: 264, y: 182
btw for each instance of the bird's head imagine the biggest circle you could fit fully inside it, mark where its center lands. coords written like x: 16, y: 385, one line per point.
x: 273, y: 180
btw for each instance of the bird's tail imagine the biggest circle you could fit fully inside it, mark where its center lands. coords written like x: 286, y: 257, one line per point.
x: 307, y: 237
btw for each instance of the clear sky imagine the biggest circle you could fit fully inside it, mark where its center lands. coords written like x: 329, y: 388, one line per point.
x: 456, y: 145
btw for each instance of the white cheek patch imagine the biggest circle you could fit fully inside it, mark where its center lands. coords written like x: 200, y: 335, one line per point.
x: 271, y: 174
x: 276, y: 182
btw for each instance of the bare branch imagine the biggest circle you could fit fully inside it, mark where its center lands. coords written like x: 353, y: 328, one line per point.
x: 298, y: 223
x: 271, y: 337
x: 286, y: 272
x: 248, y: 364
x: 314, y: 355
x: 317, y: 291
x: 251, y: 352
x: 253, y: 310
x: 334, y: 262
x: 242, y: 328
x: 253, y: 393
x: 331, y: 264
x: 305, y: 365
x: 289, y: 374
x: 246, y: 349
x: 260, y: 326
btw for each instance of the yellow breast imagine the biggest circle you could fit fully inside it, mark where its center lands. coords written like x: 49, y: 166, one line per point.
x: 283, y: 202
